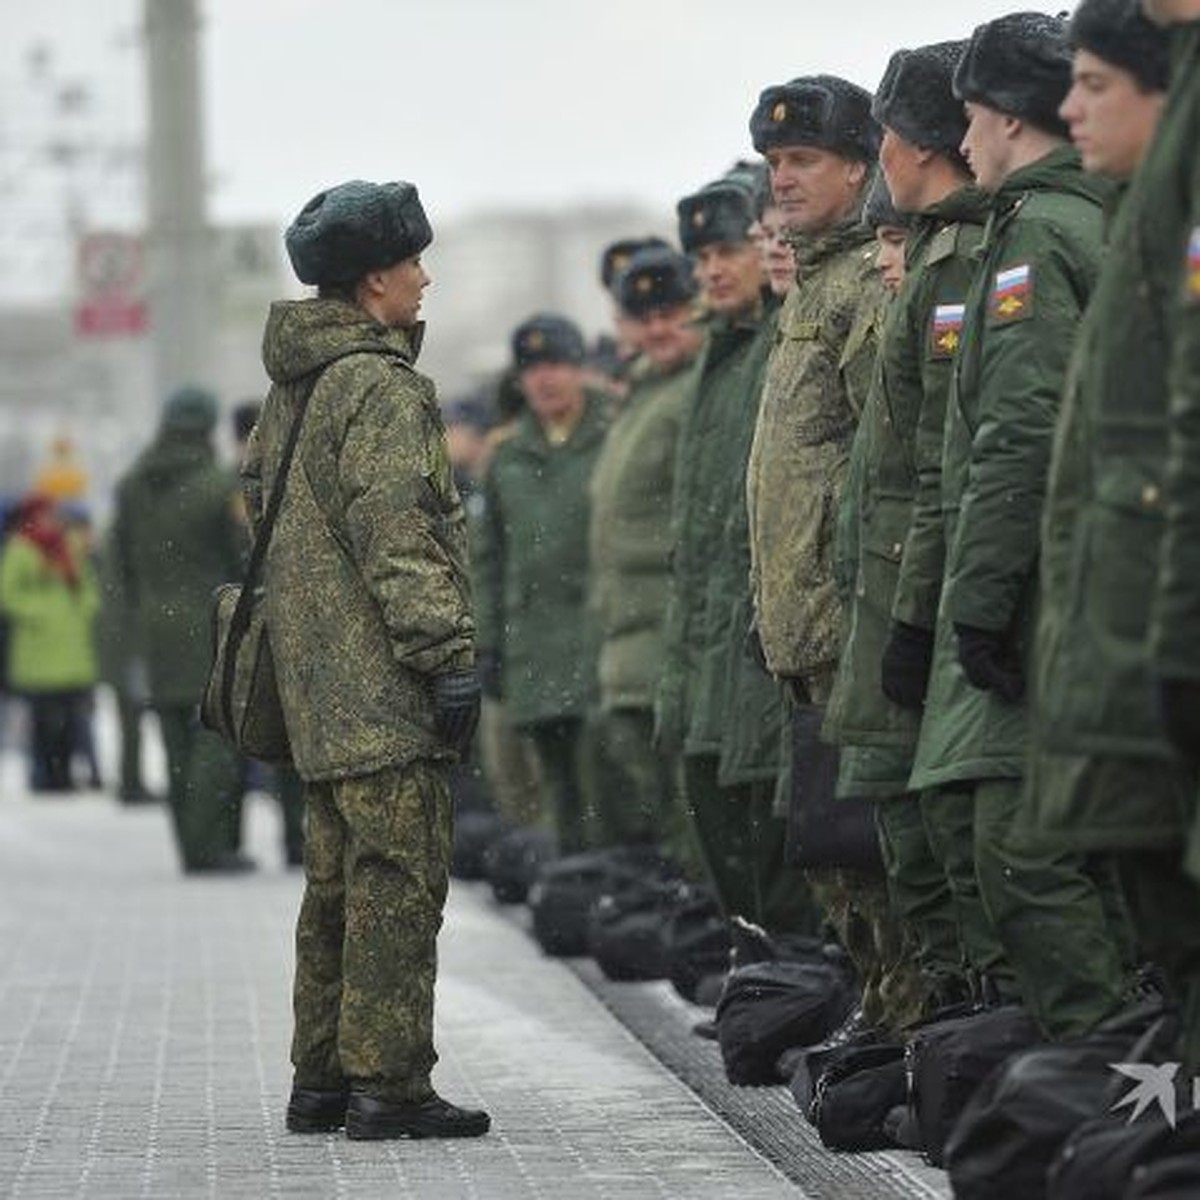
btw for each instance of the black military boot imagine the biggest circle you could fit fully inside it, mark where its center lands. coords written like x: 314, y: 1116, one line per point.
x: 311, y: 1110
x: 372, y: 1119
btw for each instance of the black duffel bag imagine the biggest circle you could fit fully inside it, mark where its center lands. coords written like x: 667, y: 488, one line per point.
x: 1098, y: 1160
x: 1176, y: 1174
x: 854, y: 1094
x: 696, y: 942
x: 474, y: 831
x: 562, y: 896
x: 949, y: 1060
x: 627, y: 929
x: 565, y: 891
x: 1017, y: 1121
x: 823, y: 831
x: 769, y: 1007
x: 1020, y: 1119
x: 512, y: 861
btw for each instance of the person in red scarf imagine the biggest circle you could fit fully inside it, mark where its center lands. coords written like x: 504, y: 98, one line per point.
x: 49, y: 595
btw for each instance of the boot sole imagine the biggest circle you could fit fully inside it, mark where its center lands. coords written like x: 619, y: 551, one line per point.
x: 358, y: 1131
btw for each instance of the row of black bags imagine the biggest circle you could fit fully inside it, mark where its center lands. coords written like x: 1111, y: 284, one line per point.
x: 625, y: 906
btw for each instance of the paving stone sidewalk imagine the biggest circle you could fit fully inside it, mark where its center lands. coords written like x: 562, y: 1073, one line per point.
x: 144, y: 1020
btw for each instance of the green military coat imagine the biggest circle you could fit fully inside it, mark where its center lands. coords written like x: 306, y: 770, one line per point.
x: 534, y: 566
x: 366, y: 577
x: 814, y: 390
x: 177, y: 534
x: 1176, y: 633
x: 695, y: 709
x: 1038, y: 263
x: 630, y: 536
x: 899, y: 442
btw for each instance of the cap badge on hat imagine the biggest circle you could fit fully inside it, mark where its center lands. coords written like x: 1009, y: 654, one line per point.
x: 1012, y: 295
x: 946, y: 330
x: 535, y: 340
x: 1193, y: 267
x: 699, y: 218
x: 619, y: 263
x: 779, y: 112
x: 643, y: 284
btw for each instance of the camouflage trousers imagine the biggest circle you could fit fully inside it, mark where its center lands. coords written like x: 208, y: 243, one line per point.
x: 894, y: 990
x: 376, y: 864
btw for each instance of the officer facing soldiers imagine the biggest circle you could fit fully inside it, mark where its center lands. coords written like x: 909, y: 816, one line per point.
x: 715, y: 710
x: 820, y: 142
x: 629, y: 542
x: 1038, y: 263
x: 373, y: 642
x: 533, y: 569
x: 1103, y: 780
x: 900, y: 445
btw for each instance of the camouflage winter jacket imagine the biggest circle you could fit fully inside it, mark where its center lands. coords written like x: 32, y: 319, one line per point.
x: 366, y: 576
x: 816, y: 383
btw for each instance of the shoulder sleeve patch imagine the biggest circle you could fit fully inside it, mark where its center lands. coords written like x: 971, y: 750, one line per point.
x: 1011, y: 296
x: 1191, y: 286
x: 945, y: 330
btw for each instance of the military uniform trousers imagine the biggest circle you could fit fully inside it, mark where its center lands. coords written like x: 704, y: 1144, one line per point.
x: 1163, y: 899
x: 204, y: 787
x: 920, y: 894
x: 376, y: 864
x: 564, y: 751
x: 635, y: 796
x: 510, y: 766
x: 741, y: 842
x: 1044, y: 924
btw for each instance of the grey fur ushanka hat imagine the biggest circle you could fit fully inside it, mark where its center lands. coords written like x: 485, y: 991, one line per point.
x: 356, y: 227
x: 1020, y: 65
x: 916, y: 97
x: 816, y: 110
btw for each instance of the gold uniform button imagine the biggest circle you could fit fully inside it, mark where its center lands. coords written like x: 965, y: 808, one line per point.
x: 1151, y: 495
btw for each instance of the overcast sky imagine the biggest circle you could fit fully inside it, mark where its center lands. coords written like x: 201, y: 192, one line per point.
x: 480, y: 102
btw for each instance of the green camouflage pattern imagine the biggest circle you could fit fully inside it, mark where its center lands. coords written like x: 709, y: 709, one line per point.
x: 629, y: 535
x: 1000, y: 422
x: 377, y: 861
x: 814, y: 390
x: 533, y: 568
x: 367, y: 595
x: 177, y: 534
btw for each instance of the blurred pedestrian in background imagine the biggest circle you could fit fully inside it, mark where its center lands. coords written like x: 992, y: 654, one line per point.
x: 178, y: 533
x: 49, y: 595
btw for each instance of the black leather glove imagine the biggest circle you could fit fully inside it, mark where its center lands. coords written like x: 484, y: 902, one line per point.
x: 456, y: 699
x: 489, y: 669
x: 1179, y: 704
x: 905, y: 666
x: 989, y: 663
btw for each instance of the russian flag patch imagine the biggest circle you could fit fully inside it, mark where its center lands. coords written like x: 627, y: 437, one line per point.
x: 1012, y: 294
x: 945, y: 333
x: 1192, y: 280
